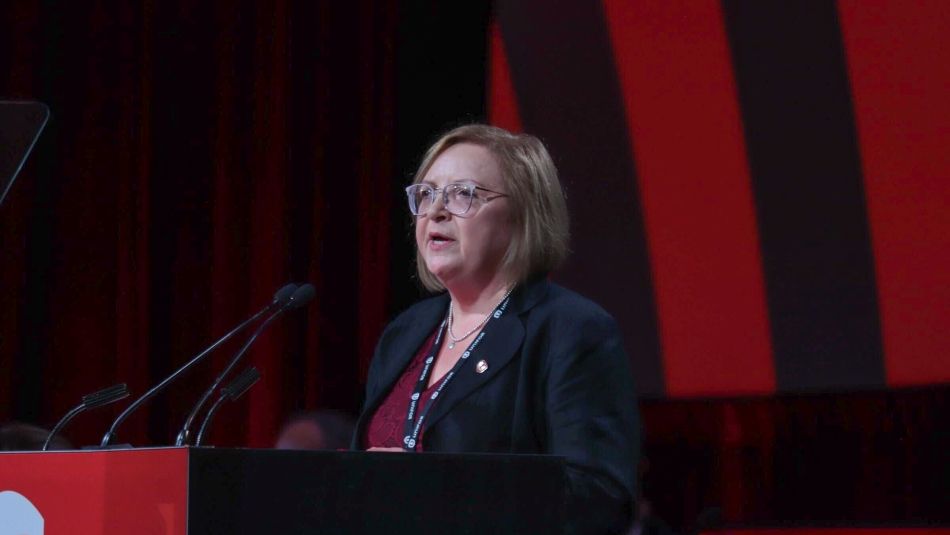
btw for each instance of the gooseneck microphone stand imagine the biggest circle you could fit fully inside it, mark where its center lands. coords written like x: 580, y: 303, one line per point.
x: 303, y: 295
x: 281, y: 298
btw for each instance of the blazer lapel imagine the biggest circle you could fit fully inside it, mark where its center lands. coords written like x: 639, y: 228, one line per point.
x: 503, y: 339
x: 405, y: 347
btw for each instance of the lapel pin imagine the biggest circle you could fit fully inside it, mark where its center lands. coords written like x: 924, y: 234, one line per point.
x: 481, y: 367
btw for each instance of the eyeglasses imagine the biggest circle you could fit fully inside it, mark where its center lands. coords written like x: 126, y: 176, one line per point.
x: 457, y: 197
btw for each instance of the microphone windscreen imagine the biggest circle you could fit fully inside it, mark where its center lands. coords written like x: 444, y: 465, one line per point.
x: 241, y: 383
x: 282, y: 297
x: 106, y: 396
x: 304, y: 294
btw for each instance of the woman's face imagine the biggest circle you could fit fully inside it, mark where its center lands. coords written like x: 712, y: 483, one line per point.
x: 467, y: 250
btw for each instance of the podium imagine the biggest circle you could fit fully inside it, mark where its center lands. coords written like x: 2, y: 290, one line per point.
x: 178, y: 491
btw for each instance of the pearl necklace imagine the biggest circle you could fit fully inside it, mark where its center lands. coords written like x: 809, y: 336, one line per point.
x: 453, y: 339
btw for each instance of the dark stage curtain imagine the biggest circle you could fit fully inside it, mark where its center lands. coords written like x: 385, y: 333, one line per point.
x: 199, y: 156
x: 822, y: 459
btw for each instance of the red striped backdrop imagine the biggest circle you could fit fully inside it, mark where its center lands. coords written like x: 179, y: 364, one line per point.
x: 715, y: 305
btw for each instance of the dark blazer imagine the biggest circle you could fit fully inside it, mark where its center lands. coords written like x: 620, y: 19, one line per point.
x: 558, y: 382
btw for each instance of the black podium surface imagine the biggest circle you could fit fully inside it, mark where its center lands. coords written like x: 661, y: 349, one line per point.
x: 271, y: 491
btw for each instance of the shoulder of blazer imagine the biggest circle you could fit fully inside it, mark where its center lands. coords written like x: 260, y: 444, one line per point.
x: 568, y: 326
x: 563, y: 306
x: 425, y: 309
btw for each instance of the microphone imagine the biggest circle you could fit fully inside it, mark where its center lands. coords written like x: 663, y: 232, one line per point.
x: 280, y: 301
x: 89, y: 401
x: 301, y: 297
x: 241, y: 384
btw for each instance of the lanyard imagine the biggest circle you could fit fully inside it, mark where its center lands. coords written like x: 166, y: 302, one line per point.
x: 414, y: 426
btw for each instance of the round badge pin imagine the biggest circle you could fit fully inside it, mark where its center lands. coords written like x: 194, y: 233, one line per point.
x: 481, y: 367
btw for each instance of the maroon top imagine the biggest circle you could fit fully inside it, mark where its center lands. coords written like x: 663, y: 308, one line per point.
x: 386, y: 427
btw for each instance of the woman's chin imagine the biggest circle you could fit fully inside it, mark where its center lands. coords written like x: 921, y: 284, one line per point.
x: 445, y: 276
x: 446, y: 273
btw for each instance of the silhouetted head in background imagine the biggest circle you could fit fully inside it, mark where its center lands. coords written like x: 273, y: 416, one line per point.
x: 316, y: 430
x: 19, y: 436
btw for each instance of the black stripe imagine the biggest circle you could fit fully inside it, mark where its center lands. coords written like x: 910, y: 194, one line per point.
x: 569, y: 95
x: 440, y: 84
x: 806, y: 178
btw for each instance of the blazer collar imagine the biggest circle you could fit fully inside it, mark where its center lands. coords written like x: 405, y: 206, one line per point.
x: 503, y: 339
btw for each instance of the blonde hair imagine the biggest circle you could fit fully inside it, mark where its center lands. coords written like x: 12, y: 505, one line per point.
x: 539, y: 211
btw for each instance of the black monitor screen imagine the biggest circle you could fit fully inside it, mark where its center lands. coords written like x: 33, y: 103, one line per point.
x: 20, y: 126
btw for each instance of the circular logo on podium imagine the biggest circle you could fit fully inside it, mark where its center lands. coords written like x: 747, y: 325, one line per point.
x: 19, y: 515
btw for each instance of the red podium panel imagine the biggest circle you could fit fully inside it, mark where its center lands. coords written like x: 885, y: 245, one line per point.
x: 121, y: 491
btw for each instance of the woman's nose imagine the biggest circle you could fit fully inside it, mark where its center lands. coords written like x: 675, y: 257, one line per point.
x: 438, y: 210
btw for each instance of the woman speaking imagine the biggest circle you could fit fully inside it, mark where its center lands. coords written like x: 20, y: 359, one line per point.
x: 502, y: 360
